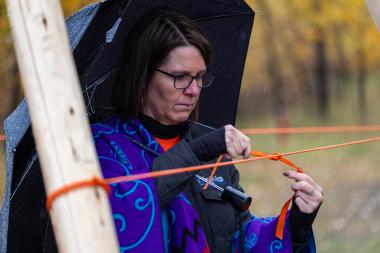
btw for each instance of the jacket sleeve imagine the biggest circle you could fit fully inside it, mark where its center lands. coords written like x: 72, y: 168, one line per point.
x: 301, y: 229
x: 178, y: 156
x: 259, y: 235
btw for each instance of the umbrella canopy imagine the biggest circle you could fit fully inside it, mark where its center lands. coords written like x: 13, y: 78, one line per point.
x: 97, y: 34
x: 227, y: 24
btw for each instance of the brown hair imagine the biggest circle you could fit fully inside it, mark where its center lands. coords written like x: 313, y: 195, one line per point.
x: 147, y: 46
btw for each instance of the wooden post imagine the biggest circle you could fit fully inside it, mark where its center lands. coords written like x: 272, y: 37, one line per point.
x: 81, y: 219
x: 374, y: 9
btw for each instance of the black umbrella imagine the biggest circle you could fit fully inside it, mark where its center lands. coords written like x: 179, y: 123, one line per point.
x: 97, y: 34
x: 227, y: 24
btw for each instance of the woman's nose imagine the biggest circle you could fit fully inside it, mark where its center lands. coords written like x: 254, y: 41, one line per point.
x: 193, y: 88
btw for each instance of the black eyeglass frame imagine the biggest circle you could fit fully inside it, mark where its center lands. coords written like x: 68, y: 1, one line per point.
x: 175, y: 77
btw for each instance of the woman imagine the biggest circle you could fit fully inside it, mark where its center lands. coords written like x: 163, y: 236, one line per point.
x: 162, y: 72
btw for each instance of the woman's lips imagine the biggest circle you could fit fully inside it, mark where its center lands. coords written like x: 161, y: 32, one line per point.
x: 185, y: 106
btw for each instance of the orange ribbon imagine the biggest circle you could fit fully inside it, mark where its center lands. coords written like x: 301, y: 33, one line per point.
x: 282, y: 217
x: 316, y: 129
x: 213, y: 172
x: 95, y: 181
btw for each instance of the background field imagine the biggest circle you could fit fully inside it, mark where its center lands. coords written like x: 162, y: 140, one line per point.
x: 349, y: 219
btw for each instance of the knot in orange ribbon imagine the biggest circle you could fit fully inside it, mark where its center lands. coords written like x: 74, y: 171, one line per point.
x: 277, y: 156
x: 282, y: 217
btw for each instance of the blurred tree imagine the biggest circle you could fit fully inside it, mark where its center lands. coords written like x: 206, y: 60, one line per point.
x: 297, y: 47
x: 321, y: 63
x: 275, y: 72
x: 273, y: 64
x: 311, y: 51
x: 70, y: 6
x: 11, y: 93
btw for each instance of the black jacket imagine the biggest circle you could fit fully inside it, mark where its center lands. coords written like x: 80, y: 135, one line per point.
x: 219, y: 218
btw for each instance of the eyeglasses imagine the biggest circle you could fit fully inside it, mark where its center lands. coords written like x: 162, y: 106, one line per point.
x: 183, y: 81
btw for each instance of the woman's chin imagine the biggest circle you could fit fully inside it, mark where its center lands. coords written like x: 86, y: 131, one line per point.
x: 180, y: 117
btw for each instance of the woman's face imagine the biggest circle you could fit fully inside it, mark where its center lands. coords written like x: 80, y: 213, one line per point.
x: 163, y: 101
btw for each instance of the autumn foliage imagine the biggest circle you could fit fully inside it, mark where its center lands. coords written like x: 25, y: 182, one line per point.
x: 300, y: 50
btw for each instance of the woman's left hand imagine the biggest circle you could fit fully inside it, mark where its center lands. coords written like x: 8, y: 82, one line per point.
x: 308, y: 194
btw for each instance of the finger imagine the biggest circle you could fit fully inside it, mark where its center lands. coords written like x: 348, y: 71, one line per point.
x: 315, y: 197
x: 241, y: 147
x: 303, y: 186
x: 236, y: 133
x: 244, y: 137
x: 302, y: 205
x: 237, y: 142
x: 234, y: 147
x: 299, y: 176
x: 248, y: 149
x: 319, y: 189
x: 231, y: 149
x: 244, y: 140
x: 247, y: 152
x: 228, y: 134
x: 305, y: 197
x: 238, y: 148
x: 312, y: 203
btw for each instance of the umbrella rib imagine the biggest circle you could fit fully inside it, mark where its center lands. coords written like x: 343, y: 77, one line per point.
x: 225, y: 16
x: 30, y: 164
x: 90, y: 89
x: 125, y: 8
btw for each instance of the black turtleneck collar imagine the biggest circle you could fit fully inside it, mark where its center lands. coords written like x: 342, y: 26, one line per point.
x: 162, y: 131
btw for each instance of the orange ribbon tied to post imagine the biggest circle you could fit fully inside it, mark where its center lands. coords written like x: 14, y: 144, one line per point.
x: 95, y: 181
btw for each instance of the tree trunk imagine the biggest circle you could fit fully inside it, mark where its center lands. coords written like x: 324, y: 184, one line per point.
x: 274, y: 71
x: 341, y: 70
x: 362, y: 85
x: 320, y: 69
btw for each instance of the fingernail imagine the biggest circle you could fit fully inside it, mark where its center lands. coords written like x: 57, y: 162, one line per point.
x: 286, y: 174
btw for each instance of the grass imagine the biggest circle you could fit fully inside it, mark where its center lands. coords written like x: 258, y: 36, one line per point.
x: 349, y: 219
x: 349, y: 216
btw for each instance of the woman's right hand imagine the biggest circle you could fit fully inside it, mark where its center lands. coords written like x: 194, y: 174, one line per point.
x: 237, y: 143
